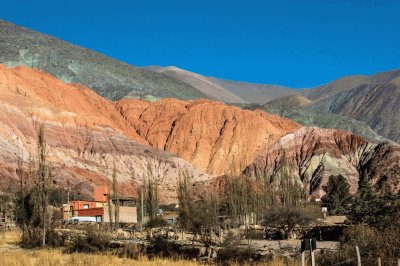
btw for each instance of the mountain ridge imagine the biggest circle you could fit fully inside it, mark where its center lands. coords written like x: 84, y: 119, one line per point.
x: 106, y: 76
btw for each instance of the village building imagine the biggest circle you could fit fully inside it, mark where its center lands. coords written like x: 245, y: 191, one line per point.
x: 99, y: 208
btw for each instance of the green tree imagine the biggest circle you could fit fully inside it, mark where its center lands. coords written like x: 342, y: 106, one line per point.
x: 372, y: 208
x: 337, y: 195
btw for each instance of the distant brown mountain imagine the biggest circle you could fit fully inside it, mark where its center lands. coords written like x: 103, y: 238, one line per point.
x: 255, y: 93
x: 201, y: 83
x: 227, y: 91
x: 350, y: 82
x: 289, y: 101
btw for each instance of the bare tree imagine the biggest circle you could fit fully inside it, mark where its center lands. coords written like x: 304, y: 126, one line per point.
x: 151, y: 193
x: 42, y: 181
x: 185, y: 198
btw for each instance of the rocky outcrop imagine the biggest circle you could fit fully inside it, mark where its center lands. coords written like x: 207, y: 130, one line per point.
x: 217, y: 138
x: 313, y: 154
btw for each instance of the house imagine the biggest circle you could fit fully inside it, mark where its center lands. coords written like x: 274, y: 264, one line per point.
x: 99, y: 208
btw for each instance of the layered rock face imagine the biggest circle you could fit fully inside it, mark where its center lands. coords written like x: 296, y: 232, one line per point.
x: 217, y: 138
x: 313, y: 154
x: 85, y: 134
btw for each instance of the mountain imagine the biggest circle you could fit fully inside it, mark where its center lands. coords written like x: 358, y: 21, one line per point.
x: 226, y: 90
x: 201, y: 83
x: 350, y: 82
x: 85, y: 136
x: 377, y: 105
x: 311, y: 155
x: 107, y: 77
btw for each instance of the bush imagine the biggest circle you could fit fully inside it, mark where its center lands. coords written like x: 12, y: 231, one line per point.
x: 31, y: 237
x: 162, y: 247
x: 90, y: 242
x: 158, y: 222
x: 131, y: 251
x: 233, y: 250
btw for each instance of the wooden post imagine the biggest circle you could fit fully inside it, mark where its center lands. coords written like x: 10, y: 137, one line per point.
x: 379, y: 262
x: 398, y: 262
x: 358, y: 256
x: 303, y: 258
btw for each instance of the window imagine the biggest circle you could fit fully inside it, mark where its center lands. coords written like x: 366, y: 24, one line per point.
x: 86, y: 206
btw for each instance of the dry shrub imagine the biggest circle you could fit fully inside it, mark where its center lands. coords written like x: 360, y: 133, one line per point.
x: 233, y: 250
x: 90, y: 242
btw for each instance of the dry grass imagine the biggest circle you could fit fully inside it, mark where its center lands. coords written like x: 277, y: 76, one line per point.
x: 9, y: 238
x: 11, y: 255
x: 56, y: 257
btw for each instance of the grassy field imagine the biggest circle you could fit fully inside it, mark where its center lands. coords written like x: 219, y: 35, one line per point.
x: 12, y: 255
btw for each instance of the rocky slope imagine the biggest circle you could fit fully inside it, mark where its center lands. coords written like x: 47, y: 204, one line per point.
x: 84, y: 132
x: 377, y: 105
x: 108, y: 77
x: 217, y: 138
x: 312, y: 154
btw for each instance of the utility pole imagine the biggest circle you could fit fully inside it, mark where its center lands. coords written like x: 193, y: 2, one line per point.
x: 358, y: 256
x: 142, y: 208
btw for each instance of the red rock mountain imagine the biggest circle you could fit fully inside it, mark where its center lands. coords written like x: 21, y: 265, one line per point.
x: 217, y: 138
x: 85, y: 134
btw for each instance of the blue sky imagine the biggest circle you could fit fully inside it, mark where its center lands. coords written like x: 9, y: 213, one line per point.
x: 292, y: 43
